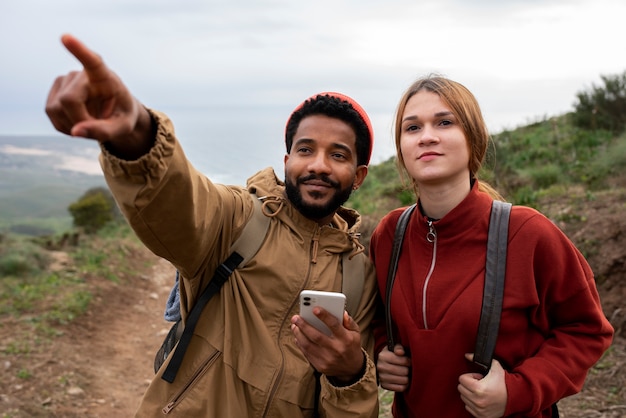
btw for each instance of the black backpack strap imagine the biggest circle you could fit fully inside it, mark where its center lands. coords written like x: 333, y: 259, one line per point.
x: 393, y: 266
x: 220, y: 276
x: 495, y: 270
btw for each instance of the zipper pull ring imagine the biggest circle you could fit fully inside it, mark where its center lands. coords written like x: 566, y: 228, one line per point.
x: 431, y: 236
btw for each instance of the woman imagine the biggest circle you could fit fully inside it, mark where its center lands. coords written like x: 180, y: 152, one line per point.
x: 552, y: 327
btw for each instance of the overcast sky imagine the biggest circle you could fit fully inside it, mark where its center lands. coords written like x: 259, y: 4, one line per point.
x: 232, y: 71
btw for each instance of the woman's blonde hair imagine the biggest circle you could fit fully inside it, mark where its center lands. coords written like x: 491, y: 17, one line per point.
x: 465, y: 107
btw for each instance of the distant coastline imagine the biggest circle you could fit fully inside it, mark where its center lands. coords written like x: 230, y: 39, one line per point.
x: 60, y: 153
x: 40, y: 176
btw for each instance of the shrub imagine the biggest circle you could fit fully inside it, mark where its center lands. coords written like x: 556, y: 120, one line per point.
x: 19, y: 258
x: 546, y: 175
x: 93, y: 210
x: 603, y: 107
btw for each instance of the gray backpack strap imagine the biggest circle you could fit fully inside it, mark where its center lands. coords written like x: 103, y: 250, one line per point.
x: 253, y: 234
x: 353, y: 280
x: 391, y: 272
x: 493, y: 293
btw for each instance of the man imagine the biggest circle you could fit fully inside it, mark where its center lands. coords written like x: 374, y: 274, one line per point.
x: 251, y: 355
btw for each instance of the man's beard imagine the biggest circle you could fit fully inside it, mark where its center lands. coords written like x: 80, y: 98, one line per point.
x: 316, y: 212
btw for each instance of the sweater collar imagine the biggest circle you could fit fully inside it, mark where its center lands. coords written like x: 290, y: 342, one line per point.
x: 468, y: 214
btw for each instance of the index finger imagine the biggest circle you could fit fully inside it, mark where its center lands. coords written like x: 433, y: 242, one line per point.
x: 92, y: 62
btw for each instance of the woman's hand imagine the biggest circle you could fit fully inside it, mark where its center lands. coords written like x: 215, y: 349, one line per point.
x: 484, y: 396
x: 393, y: 369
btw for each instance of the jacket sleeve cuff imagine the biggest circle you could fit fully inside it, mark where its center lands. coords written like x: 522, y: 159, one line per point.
x: 367, y: 372
x: 359, y: 398
x: 151, y: 164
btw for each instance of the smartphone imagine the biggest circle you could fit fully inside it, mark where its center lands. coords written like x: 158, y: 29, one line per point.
x: 333, y: 302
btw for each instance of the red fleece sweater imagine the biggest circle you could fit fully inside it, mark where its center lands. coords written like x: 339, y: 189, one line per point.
x: 552, y: 327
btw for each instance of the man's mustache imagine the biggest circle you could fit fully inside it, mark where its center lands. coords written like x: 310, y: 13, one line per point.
x: 322, y: 178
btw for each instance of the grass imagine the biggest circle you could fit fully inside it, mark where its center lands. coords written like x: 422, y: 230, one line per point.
x: 41, y: 299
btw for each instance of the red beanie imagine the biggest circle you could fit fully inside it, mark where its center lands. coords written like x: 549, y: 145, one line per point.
x: 357, y: 107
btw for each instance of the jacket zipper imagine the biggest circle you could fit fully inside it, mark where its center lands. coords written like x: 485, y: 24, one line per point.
x: 277, y: 378
x: 313, y: 260
x: 431, y: 236
x: 178, y: 396
x: 316, y: 244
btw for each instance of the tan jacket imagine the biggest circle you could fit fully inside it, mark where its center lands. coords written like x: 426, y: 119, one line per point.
x: 242, y: 360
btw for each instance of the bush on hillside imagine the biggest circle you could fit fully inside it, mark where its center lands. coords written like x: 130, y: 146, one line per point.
x: 20, y: 258
x: 603, y: 107
x: 606, y: 166
x: 94, y: 210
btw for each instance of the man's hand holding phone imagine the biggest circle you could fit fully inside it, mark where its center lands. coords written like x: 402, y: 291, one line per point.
x: 328, y: 337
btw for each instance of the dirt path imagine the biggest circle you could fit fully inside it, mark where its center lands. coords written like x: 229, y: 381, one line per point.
x: 118, y: 343
x: 103, y: 362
